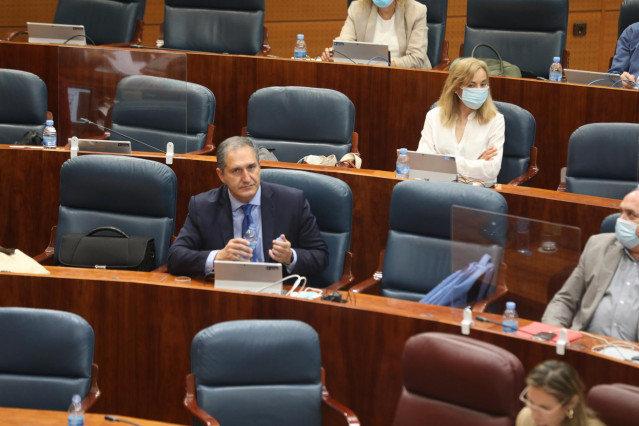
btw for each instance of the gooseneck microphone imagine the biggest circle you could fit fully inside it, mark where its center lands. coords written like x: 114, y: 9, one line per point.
x: 121, y: 134
x: 117, y: 419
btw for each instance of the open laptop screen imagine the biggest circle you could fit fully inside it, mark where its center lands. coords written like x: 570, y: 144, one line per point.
x: 360, y: 52
x: 56, y: 33
x: 435, y: 167
x: 248, y: 276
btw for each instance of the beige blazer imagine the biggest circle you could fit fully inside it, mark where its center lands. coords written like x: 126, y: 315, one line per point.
x: 575, y: 303
x: 410, y: 26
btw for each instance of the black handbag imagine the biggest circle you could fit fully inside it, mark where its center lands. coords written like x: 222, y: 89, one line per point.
x: 118, y: 251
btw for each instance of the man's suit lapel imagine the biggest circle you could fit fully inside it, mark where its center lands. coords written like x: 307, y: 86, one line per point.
x: 224, y: 222
x: 268, y: 219
x: 609, y: 266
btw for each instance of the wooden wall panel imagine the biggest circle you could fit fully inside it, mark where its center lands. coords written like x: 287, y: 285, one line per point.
x: 584, y: 50
x: 610, y: 23
x: 455, y: 29
x: 296, y: 11
x: 318, y: 36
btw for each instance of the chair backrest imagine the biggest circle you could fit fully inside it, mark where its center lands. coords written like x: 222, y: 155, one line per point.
x: 454, y: 380
x: 609, y: 223
x: 615, y: 404
x: 527, y: 33
x: 219, y: 26
x: 25, y: 104
x: 105, y: 21
x: 331, y: 202
x: 135, y: 195
x: 418, y: 248
x: 259, y: 372
x: 158, y: 110
x: 45, y: 358
x: 602, y: 159
x: 519, y: 138
x: 299, y: 121
x: 628, y: 15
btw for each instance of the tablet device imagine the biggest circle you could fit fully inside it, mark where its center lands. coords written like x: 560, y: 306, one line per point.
x: 56, y: 33
x: 591, y: 77
x: 248, y: 276
x: 100, y: 145
x: 435, y: 167
x: 360, y: 52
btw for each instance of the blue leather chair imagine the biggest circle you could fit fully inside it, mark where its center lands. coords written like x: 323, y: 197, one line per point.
x: 251, y: 372
x: 602, y: 159
x: 331, y: 202
x: 609, y: 223
x: 519, y: 163
x: 218, y: 26
x: 628, y: 15
x: 24, y: 107
x: 419, y: 249
x: 298, y: 121
x: 436, y: 13
x: 135, y: 195
x: 154, y: 111
x: 527, y: 33
x: 46, y: 357
x: 435, y: 366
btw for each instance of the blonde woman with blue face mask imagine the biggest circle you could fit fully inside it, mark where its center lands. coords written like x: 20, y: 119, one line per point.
x: 401, y: 24
x: 466, y: 124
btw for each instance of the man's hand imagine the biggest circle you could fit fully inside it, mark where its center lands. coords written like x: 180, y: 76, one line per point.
x: 327, y: 55
x: 281, y: 251
x: 236, y: 250
x: 627, y: 84
x: 489, y: 154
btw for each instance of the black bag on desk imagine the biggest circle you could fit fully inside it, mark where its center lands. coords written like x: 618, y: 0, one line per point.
x: 107, y: 251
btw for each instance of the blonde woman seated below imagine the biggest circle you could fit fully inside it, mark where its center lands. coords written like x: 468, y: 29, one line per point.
x: 554, y: 396
x: 401, y: 24
x: 466, y: 124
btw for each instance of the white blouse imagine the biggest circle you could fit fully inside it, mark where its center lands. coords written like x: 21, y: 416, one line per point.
x: 437, y: 139
x: 385, y: 34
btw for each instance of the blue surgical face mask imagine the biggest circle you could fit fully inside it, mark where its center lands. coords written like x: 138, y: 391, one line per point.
x: 474, y: 98
x: 382, y: 3
x: 626, y: 232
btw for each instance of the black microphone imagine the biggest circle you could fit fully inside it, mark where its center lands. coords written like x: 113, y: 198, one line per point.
x: 117, y: 419
x: 121, y: 134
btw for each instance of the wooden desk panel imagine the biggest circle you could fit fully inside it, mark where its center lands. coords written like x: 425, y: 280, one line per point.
x: 30, y: 190
x: 390, y: 104
x: 21, y: 417
x: 144, y: 324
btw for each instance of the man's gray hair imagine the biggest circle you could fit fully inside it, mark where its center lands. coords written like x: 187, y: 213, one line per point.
x: 230, y: 144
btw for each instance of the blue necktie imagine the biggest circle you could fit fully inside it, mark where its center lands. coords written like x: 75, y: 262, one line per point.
x: 246, y: 223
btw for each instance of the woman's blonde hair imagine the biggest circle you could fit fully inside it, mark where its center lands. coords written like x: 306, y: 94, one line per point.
x: 459, y: 77
x: 562, y: 381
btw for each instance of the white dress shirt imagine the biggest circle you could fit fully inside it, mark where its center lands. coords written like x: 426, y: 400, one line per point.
x: 385, y: 34
x: 437, y: 139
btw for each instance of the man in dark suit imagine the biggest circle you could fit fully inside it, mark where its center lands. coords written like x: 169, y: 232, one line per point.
x: 286, y: 228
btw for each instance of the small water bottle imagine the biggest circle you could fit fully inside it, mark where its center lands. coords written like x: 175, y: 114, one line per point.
x: 76, y: 415
x: 555, y: 73
x: 402, y: 169
x: 49, y: 136
x: 251, y: 236
x: 510, y: 319
x: 300, y: 47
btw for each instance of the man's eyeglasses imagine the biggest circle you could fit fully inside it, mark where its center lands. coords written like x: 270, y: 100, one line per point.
x: 523, y: 397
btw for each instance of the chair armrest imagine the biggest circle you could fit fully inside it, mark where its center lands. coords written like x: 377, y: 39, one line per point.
x: 444, y: 61
x: 208, y: 144
x: 347, y: 274
x: 367, y: 285
x: 355, y: 143
x: 266, y: 47
x: 349, y: 416
x: 94, y: 392
x: 243, y: 133
x: 565, y: 59
x: 500, y: 292
x: 190, y: 403
x: 10, y: 35
x: 562, y: 180
x: 47, y: 254
x: 533, y: 169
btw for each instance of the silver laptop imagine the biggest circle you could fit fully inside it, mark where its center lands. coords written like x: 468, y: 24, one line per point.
x: 56, y: 33
x: 360, y: 52
x: 100, y: 145
x: 435, y: 167
x: 248, y: 276
x: 588, y: 77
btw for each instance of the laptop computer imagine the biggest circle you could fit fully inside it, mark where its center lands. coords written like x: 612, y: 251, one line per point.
x: 360, y: 52
x: 56, y: 33
x: 435, y: 167
x: 592, y: 78
x: 248, y: 276
x: 100, y: 145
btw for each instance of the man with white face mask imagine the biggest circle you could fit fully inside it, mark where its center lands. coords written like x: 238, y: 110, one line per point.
x: 602, y: 293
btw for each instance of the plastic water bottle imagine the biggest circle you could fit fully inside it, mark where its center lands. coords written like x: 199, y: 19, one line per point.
x: 49, y: 136
x: 555, y: 73
x: 402, y: 169
x: 76, y: 415
x: 510, y: 319
x: 300, y: 47
x: 251, y: 236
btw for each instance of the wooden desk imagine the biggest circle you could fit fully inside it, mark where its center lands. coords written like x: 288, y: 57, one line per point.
x: 29, y: 189
x: 390, y: 104
x: 144, y: 324
x: 21, y: 417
